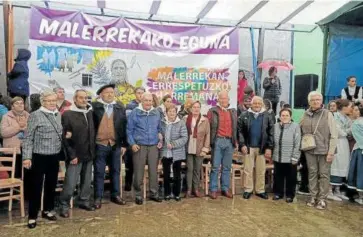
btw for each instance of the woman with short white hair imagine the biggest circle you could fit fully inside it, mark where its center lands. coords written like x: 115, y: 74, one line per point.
x: 319, y: 141
x: 41, y: 154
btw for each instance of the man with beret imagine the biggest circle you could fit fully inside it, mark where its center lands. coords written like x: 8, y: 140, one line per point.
x: 110, y: 122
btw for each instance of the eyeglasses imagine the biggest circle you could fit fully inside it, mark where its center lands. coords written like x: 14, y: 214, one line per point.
x: 50, y: 101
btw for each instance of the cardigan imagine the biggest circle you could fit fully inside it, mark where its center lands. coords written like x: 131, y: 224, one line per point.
x: 287, y: 140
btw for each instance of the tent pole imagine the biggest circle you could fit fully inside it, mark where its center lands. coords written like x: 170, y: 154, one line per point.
x: 325, y: 59
x: 9, y: 34
x: 260, y: 47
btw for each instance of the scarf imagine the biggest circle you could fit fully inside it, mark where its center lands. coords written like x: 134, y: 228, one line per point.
x: 256, y: 114
x: 189, y: 125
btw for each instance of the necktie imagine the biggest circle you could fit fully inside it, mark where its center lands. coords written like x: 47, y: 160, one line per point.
x: 109, y: 110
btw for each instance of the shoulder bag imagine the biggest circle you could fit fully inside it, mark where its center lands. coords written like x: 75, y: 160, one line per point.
x: 308, y: 140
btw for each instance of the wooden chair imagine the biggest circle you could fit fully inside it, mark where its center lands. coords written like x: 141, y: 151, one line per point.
x: 237, y: 174
x: 13, y: 184
x: 122, y: 171
x: 206, y: 169
x: 269, y: 174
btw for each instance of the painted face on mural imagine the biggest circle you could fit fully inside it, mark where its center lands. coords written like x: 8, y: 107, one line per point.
x: 118, y: 71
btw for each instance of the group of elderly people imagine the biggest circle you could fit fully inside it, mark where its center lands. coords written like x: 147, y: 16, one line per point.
x: 97, y: 134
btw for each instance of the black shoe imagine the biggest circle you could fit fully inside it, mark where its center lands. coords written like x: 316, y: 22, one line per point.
x: 262, y: 195
x: 118, y: 200
x: 139, y: 201
x: 276, y: 198
x: 32, y: 225
x: 247, y: 195
x: 177, y: 198
x: 87, y: 207
x: 64, y: 214
x: 289, y: 200
x: 49, y: 216
x: 167, y: 198
x: 156, y: 199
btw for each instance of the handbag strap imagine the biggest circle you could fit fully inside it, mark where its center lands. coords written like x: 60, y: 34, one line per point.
x: 316, y: 128
x: 56, y: 131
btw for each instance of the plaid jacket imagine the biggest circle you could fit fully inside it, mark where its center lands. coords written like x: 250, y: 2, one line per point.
x: 43, y: 136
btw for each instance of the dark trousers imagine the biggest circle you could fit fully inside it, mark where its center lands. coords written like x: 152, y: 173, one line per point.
x: 44, y: 168
x: 12, y: 95
x: 274, y: 106
x: 110, y: 156
x: 304, y: 173
x: 284, y: 173
x: 82, y: 169
x: 167, y: 164
x: 129, y: 165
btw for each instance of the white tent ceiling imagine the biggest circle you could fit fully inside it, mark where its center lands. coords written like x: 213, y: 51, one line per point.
x: 275, y: 14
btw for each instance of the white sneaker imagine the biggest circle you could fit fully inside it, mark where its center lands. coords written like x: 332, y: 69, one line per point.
x: 359, y: 201
x: 340, y: 195
x: 333, y: 197
x: 321, y: 205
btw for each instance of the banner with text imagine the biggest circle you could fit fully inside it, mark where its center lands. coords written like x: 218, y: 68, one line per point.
x: 75, y: 50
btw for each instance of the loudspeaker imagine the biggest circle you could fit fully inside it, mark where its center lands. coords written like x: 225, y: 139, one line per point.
x: 304, y: 84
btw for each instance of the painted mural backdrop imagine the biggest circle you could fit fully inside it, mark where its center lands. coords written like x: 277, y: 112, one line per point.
x: 74, y: 50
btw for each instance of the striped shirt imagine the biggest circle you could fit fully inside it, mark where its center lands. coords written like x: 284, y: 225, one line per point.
x: 42, y: 137
x: 287, y: 140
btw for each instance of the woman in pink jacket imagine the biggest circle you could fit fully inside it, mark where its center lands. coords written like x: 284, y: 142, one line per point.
x: 13, y: 128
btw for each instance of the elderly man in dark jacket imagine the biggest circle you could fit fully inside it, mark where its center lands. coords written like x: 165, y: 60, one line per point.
x: 256, y: 136
x: 110, y: 122
x: 79, y: 141
x: 18, y: 84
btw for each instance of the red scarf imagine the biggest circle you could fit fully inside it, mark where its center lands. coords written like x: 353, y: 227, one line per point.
x: 189, y: 125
